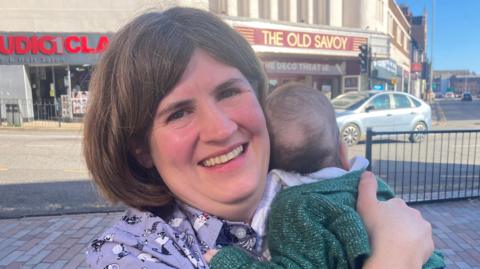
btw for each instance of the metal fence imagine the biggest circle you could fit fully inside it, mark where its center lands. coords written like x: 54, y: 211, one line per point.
x: 444, y: 165
x: 27, y: 113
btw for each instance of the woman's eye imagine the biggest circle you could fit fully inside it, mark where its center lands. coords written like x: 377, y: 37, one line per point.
x: 177, y: 115
x: 228, y: 93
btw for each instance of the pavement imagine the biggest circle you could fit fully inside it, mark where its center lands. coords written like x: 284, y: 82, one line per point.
x: 60, y: 241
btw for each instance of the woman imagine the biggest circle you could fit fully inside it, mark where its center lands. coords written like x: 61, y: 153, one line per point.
x: 175, y: 130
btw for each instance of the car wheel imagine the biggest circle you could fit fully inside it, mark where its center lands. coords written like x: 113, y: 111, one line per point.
x: 350, y: 134
x: 418, y: 137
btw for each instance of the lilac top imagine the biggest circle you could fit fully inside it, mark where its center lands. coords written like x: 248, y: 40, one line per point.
x: 144, y: 240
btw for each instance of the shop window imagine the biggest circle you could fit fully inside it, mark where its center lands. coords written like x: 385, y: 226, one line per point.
x: 351, y: 83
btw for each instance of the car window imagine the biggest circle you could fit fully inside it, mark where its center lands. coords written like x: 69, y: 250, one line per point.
x: 381, y: 102
x: 416, y: 102
x: 349, y: 101
x: 401, y: 101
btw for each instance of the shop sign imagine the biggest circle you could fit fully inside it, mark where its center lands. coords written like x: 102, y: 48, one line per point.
x: 275, y: 67
x: 416, y: 67
x: 51, y: 48
x: 303, y: 40
x: 389, y: 65
x: 384, y: 69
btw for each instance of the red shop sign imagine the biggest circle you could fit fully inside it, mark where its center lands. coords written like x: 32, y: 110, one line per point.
x: 304, y: 40
x: 51, y: 44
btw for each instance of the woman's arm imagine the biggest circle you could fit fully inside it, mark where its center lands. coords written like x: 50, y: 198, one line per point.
x: 399, y: 236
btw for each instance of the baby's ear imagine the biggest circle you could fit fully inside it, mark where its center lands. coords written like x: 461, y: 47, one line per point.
x: 343, y: 152
x: 141, y: 153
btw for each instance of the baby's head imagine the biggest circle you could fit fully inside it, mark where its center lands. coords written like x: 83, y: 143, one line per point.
x: 303, y: 129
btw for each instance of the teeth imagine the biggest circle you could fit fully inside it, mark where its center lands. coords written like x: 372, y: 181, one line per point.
x: 223, y: 158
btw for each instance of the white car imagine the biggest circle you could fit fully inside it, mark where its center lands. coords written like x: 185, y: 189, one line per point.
x: 449, y: 95
x: 382, y: 111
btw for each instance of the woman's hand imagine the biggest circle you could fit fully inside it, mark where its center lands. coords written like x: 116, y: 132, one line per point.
x: 399, y: 236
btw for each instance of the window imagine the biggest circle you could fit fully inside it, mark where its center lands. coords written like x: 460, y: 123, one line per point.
x: 320, y: 13
x: 283, y: 10
x: 302, y: 11
x: 243, y: 8
x: 218, y: 6
x: 401, y: 101
x: 351, y: 13
x: 390, y: 25
x: 264, y: 9
x: 416, y: 102
x: 381, y: 102
x: 379, y: 10
x: 399, y: 35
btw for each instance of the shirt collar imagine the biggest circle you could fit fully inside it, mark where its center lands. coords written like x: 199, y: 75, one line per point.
x: 215, y: 232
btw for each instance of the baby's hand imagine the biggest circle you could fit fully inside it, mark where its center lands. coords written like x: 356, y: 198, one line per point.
x: 209, y: 254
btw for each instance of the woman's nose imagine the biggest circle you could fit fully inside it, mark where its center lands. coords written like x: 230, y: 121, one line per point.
x: 216, y: 125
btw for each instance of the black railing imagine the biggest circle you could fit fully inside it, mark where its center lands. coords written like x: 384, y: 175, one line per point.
x: 443, y: 165
x: 28, y: 113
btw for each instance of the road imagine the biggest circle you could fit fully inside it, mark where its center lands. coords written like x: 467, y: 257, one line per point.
x: 456, y: 110
x: 446, y: 115
x: 43, y: 172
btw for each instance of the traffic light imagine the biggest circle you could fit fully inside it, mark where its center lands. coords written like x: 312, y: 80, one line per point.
x: 364, y: 58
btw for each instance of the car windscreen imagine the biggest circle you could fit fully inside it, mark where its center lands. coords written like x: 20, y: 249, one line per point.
x: 350, y: 101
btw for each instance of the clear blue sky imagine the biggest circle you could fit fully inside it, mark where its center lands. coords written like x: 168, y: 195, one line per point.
x: 456, y: 32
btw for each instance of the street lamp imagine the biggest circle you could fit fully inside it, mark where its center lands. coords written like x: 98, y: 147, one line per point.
x: 431, y: 51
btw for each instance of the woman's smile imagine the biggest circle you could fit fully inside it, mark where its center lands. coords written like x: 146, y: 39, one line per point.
x: 223, y: 158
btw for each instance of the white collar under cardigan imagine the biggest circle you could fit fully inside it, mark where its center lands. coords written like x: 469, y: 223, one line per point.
x: 278, y: 179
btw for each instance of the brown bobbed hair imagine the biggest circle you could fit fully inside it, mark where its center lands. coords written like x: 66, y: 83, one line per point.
x: 144, y: 61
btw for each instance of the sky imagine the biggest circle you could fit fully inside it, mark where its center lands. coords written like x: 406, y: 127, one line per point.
x: 456, y: 32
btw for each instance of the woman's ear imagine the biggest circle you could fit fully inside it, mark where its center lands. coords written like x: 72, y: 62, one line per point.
x: 141, y: 154
x: 344, y: 156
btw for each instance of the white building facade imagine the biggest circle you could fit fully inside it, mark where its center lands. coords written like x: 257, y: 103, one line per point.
x: 48, y: 48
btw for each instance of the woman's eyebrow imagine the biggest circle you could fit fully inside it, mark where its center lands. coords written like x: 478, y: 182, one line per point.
x: 174, y: 106
x: 227, y: 84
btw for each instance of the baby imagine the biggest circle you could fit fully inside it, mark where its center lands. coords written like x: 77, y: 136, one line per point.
x: 313, y: 222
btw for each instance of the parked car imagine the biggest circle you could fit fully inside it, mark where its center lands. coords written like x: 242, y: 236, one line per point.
x: 449, y: 95
x: 466, y: 96
x: 381, y: 111
x: 438, y: 95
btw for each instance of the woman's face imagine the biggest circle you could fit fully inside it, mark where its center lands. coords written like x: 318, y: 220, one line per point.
x: 209, y: 140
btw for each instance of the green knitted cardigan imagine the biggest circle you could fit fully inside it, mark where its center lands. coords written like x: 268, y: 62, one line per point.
x: 315, y: 226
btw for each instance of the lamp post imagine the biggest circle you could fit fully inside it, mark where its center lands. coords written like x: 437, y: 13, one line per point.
x: 431, y: 51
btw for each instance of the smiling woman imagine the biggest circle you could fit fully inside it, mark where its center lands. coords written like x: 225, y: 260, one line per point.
x: 209, y: 128
x: 175, y: 130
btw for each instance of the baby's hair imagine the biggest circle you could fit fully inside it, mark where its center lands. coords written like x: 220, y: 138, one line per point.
x: 303, y: 129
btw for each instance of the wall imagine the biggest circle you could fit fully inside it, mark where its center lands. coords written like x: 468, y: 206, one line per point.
x: 78, y: 15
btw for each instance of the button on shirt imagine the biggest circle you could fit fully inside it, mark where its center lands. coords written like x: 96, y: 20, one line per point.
x: 143, y: 240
